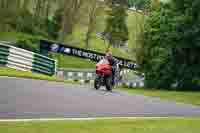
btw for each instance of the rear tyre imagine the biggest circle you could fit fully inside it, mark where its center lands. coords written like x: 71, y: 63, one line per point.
x: 97, y: 82
x: 108, y: 83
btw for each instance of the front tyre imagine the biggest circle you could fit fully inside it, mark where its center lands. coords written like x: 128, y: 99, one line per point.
x: 108, y: 83
x: 97, y: 82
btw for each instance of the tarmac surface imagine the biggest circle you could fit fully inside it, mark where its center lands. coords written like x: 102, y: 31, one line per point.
x: 30, y: 99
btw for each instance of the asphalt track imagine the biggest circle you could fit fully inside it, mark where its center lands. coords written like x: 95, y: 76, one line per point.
x: 32, y: 99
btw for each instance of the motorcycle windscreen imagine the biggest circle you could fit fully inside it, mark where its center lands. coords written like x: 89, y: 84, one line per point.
x: 103, y: 61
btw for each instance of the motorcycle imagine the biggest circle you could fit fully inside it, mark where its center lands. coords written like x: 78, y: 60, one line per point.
x: 104, y: 75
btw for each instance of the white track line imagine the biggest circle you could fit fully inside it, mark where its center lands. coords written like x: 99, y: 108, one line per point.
x: 81, y: 119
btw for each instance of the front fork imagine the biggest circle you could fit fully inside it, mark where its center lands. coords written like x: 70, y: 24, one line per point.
x: 102, y: 79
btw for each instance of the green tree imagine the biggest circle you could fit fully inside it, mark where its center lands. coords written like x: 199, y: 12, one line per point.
x: 116, y: 27
x: 139, y: 4
x: 55, y: 25
x: 71, y: 12
x: 171, y: 46
x: 94, y: 11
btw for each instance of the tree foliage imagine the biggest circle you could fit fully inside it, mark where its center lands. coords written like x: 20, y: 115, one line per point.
x: 171, y: 45
x: 139, y: 4
x: 54, y: 19
x: 116, y: 27
x: 95, y: 9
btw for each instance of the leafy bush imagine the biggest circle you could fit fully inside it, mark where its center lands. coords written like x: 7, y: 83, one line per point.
x: 27, y: 23
x: 28, y: 43
x: 24, y: 22
x: 171, y: 46
x: 54, y: 25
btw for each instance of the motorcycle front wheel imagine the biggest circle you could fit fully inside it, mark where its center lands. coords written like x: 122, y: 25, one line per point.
x: 108, y: 83
x: 97, y: 82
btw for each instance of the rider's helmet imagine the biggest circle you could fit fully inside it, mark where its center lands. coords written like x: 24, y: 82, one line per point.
x: 109, y: 54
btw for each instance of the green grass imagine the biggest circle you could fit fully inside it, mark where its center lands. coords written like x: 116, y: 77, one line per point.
x: 21, y: 74
x: 8, y: 36
x: 134, y: 22
x: 179, y: 96
x: 73, y: 62
x: 13, y: 36
x: 172, y: 125
x: 96, y: 43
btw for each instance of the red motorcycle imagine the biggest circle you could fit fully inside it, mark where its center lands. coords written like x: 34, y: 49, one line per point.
x: 103, y: 75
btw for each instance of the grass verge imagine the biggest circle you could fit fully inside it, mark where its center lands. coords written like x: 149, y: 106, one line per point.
x: 21, y: 74
x: 65, y: 61
x: 171, y: 125
x: 178, y: 96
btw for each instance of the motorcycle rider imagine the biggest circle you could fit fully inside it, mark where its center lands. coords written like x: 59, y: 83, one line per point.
x: 113, y: 62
